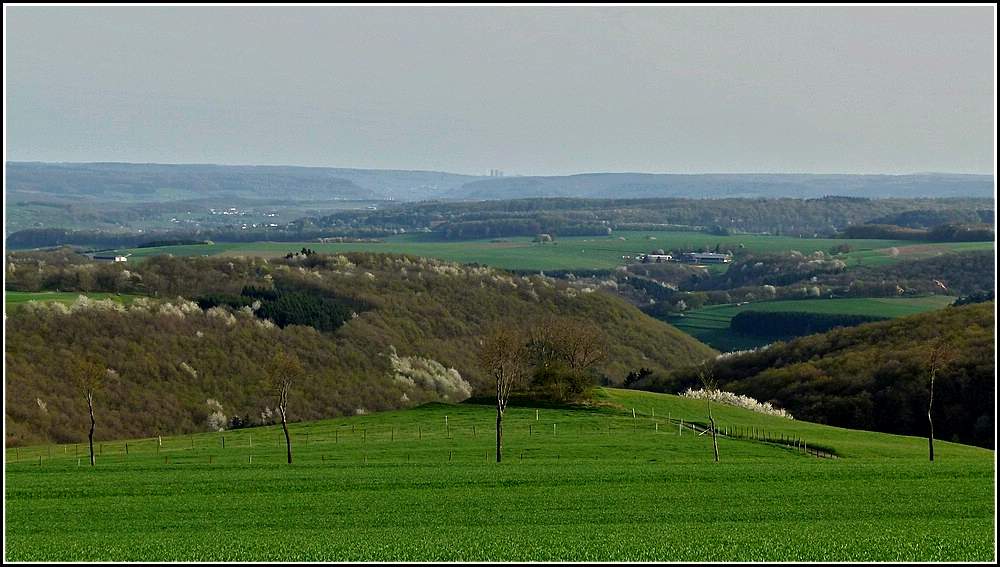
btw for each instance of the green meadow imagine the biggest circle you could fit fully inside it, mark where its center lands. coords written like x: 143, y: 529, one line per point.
x: 578, y: 252
x: 12, y: 298
x: 710, y: 325
x: 630, y: 478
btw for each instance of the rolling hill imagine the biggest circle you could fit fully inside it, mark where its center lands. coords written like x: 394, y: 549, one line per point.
x: 174, y: 362
x: 874, y: 376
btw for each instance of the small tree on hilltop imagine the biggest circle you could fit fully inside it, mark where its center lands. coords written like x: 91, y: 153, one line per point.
x: 563, y: 350
x: 706, y: 374
x: 281, y: 370
x: 935, y: 355
x: 503, y: 353
x: 90, y: 377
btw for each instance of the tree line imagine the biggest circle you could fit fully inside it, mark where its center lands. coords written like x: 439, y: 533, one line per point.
x: 448, y: 220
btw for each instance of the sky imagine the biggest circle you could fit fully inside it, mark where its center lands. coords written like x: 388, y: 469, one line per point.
x: 521, y: 89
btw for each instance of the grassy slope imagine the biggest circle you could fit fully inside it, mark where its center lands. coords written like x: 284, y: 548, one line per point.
x: 710, y: 325
x: 423, y: 485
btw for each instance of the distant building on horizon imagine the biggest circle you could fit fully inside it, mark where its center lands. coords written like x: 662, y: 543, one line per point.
x: 709, y: 257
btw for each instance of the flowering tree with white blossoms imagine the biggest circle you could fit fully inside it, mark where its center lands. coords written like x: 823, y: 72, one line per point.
x: 740, y: 401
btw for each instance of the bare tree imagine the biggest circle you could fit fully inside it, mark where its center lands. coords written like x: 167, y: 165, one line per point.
x: 503, y: 353
x: 576, y: 342
x: 90, y: 377
x: 935, y: 355
x: 563, y: 348
x: 282, y: 369
x: 706, y: 374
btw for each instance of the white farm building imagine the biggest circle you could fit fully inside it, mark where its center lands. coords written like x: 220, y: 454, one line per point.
x: 708, y: 257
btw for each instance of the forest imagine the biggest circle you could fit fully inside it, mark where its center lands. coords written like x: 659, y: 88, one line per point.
x: 935, y: 220
x: 410, y: 338
x: 873, y: 376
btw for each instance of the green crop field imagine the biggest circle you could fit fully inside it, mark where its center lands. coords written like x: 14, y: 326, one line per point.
x: 625, y: 480
x: 12, y: 298
x: 578, y: 252
x: 710, y: 325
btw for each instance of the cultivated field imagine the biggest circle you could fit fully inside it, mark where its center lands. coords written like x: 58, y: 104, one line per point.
x: 579, y: 253
x: 710, y: 325
x: 626, y: 480
x: 12, y: 298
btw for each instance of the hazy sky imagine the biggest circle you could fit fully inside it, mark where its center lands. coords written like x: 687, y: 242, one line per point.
x: 529, y: 90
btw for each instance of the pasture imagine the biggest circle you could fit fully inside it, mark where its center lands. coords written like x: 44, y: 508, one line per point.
x: 627, y: 479
x: 12, y: 298
x: 578, y: 252
x: 710, y: 325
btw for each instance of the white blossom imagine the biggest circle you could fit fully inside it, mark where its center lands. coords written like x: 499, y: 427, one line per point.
x: 740, y: 401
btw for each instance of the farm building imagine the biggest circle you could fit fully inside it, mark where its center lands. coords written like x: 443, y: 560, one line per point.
x: 108, y: 257
x: 708, y: 257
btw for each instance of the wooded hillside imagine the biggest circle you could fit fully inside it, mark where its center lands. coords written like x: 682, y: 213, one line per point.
x: 874, y: 376
x: 175, y: 366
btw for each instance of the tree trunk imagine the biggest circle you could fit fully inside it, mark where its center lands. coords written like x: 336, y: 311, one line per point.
x: 90, y: 404
x: 930, y: 435
x: 499, y: 431
x: 288, y: 440
x: 715, y: 442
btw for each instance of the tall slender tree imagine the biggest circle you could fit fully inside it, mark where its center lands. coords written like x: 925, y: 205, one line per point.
x: 706, y: 373
x: 90, y: 377
x: 936, y: 355
x: 282, y: 369
x: 503, y: 353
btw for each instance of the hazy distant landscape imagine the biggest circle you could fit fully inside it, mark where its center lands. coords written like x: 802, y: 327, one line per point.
x: 119, y: 196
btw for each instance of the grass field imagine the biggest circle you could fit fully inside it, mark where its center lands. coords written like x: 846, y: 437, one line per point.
x: 624, y: 481
x: 710, y: 325
x: 17, y: 297
x: 579, y: 253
